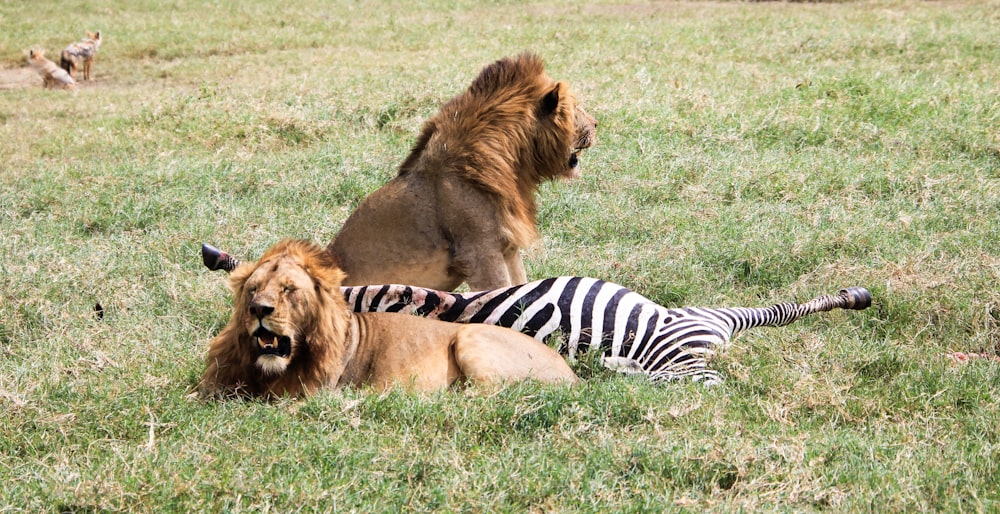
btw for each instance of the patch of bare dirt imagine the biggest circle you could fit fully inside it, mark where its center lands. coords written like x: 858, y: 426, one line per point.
x: 19, y: 78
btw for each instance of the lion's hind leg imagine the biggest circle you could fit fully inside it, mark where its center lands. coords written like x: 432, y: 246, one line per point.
x: 496, y: 354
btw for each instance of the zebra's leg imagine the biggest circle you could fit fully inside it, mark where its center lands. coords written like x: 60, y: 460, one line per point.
x: 215, y: 259
x: 855, y: 298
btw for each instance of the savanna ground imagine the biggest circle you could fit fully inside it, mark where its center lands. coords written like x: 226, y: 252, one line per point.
x: 749, y: 153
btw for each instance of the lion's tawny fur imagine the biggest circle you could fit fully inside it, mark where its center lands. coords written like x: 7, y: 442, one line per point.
x: 463, y: 203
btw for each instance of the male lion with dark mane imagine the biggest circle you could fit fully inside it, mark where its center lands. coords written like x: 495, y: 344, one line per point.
x: 292, y: 334
x: 462, y: 205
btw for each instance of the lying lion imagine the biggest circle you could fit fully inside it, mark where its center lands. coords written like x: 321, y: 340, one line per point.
x: 463, y: 203
x: 292, y: 333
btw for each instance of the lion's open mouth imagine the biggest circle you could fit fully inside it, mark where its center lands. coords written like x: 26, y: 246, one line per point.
x: 270, y: 343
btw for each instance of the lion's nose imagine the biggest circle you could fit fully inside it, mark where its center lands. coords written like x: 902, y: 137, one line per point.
x: 260, y: 309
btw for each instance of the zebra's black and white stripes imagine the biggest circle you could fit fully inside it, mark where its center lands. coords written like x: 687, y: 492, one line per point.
x: 633, y: 332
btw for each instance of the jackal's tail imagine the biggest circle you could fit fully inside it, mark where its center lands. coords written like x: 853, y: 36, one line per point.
x: 67, y: 63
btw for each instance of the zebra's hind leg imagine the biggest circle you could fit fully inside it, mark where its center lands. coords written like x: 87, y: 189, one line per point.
x: 854, y: 298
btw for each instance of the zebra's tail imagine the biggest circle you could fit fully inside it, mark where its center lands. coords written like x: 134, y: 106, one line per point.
x: 216, y: 259
x: 854, y: 298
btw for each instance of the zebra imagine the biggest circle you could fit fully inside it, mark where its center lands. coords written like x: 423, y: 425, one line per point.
x: 633, y: 334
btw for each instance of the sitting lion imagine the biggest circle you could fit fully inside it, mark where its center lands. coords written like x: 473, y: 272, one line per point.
x: 462, y: 205
x: 292, y: 333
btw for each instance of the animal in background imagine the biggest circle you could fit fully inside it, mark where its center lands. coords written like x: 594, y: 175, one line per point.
x: 52, y: 75
x: 81, y: 51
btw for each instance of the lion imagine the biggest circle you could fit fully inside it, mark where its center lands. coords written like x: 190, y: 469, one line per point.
x: 462, y: 205
x: 292, y: 334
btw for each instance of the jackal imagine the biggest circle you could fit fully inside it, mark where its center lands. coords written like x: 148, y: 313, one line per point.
x: 81, y: 51
x: 52, y: 75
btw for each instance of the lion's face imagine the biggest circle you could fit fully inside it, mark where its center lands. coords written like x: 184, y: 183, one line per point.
x: 287, y: 331
x: 586, y: 133
x: 280, y: 299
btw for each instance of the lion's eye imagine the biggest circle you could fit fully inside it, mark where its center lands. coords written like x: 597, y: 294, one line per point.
x: 289, y: 289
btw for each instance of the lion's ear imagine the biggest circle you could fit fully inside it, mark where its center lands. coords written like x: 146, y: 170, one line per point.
x: 550, y: 102
x: 328, y: 277
x: 239, y: 276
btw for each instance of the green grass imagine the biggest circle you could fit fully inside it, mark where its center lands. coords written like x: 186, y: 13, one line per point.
x: 748, y: 153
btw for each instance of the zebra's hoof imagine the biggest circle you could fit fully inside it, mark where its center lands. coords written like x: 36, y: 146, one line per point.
x: 213, y: 258
x: 858, y: 298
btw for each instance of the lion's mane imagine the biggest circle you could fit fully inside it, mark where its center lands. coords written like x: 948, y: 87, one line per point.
x: 504, y: 142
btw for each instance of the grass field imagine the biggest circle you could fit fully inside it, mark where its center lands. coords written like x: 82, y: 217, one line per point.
x: 748, y: 154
